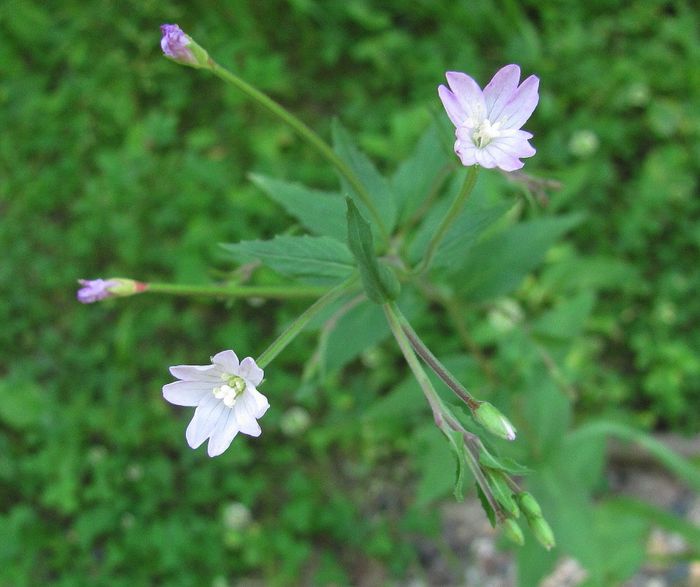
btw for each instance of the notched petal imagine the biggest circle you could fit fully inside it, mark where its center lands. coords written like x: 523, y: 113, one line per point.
x: 500, y: 89
x: 227, y: 360
x: 250, y: 371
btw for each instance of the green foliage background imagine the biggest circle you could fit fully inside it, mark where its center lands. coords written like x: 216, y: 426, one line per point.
x: 114, y: 161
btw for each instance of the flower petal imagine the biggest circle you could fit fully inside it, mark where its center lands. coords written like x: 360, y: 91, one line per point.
x: 466, y: 153
x: 186, y: 393
x: 250, y: 371
x: 224, y: 433
x: 227, y: 360
x: 485, y: 158
x: 508, y: 150
x: 469, y: 96
x: 256, y: 402
x: 521, y: 104
x: 454, y: 109
x: 245, y: 418
x: 500, y: 90
x: 196, y: 372
x: 204, y: 420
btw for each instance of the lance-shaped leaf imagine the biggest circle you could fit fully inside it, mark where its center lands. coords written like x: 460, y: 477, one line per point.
x: 379, y: 281
x: 422, y: 173
x: 377, y: 187
x: 321, y: 213
x: 315, y: 259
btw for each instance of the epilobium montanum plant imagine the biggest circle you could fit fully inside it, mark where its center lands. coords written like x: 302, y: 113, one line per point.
x: 371, y: 244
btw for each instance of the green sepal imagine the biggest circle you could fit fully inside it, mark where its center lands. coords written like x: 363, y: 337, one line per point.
x: 380, y: 283
x: 513, y: 532
x: 502, y: 493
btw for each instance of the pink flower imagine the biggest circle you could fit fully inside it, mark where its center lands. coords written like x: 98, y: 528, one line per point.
x: 175, y: 44
x: 488, y: 122
x: 94, y: 290
x: 226, y: 397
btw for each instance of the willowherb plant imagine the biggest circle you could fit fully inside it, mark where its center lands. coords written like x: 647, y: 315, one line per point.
x: 366, y: 244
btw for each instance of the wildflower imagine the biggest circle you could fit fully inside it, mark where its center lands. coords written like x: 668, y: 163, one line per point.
x: 488, y: 122
x: 225, y: 396
x: 94, y: 290
x: 180, y: 47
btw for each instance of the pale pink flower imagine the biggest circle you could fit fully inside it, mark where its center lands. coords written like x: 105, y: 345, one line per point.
x: 226, y: 397
x: 176, y: 44
x: 488, y: 122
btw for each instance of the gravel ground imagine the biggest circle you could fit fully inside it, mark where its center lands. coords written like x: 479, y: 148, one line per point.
x: 471, y: 539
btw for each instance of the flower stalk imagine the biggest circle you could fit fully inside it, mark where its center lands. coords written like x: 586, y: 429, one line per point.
x: 291, y: 332
x: 483, y: 412
x: 284, y: 292
x: 448, y: 219
x: 306, y: 133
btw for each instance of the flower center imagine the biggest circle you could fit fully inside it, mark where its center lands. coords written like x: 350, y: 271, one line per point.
x: 484, y: 133
x: 229, y: 391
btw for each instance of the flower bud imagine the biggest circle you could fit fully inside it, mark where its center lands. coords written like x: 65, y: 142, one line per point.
x: 94, y: 290
x: 491, y: 418
x: 543, y: 532
x: 529, y: 505
x: 513, y: 532
x: 180, y: 47
x: 503, y: 493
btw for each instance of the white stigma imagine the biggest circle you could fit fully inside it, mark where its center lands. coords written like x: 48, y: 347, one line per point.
x: 231, y: 390
x: 484, y: 133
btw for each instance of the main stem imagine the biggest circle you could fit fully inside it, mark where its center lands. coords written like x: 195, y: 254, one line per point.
x: 441, y: 414
x: 298, y: 325
x: 449, y: 218
x: 414, y: 364
x: 308, y: 135
x: 237, y: 291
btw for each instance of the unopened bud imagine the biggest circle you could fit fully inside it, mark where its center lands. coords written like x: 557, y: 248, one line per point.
x: 180, y: 47
x: 529, y: 505
x: 543, y: 532
x: 503, y: 493
x: 94, y: 290
x: 491, y: 418
x: 513, y: 532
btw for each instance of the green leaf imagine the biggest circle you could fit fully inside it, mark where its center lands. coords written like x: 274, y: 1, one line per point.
x: 379, y: 281
x: 496, y: 266
x: 676, y: 464
x: 505, y: 464
x: 659, y: 517
x: 421, y: 173
x: 456, y: 441
x: 600, y: 273
x: 567, y: 319
x: 488, y: 510
x: 548, y: 414
x: 433, y: 462
x: 24, y: 404
x: 316, y: 259
x: 377, y: 186
x: 322, y: 213
x: 362, y: 327
x: 478, y: 215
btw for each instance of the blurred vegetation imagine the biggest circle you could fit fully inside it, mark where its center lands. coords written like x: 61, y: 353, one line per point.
x: 114, y: 161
